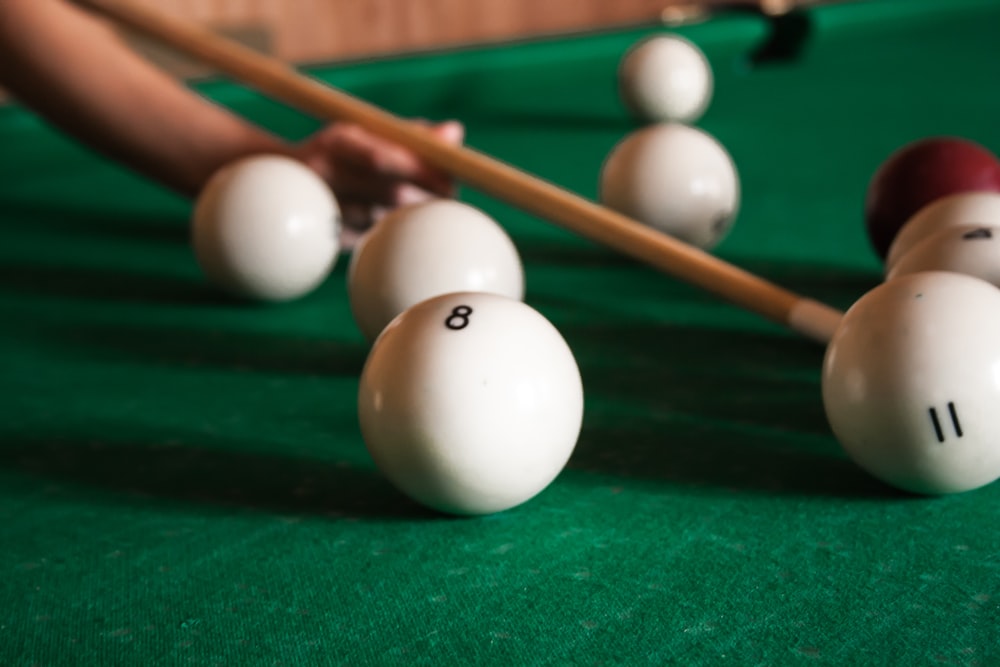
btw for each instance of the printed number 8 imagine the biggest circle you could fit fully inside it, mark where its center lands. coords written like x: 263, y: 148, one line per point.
x: 459, y: 318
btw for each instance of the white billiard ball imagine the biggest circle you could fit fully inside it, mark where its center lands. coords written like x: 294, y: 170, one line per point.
x: 266, y: 227
x: 966, y: 208
x: 911, y: 382
x: 424, y: 250
x: 470, y: 403
x: 665, y: 78
x: 970, y: 249
x: 675, y: 178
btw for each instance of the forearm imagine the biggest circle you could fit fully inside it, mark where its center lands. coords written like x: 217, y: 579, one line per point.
x: 74, y: 71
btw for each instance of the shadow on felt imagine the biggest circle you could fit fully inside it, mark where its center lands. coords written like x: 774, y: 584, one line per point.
x: 714, y: 460
x: 709, y: 408
x: 213, y: 331
x: 157, y: 228
x: 188, y: 473
x: 241, y: 350
x: 834, y: 285
x: 680, y: 390
x: 100, y: 284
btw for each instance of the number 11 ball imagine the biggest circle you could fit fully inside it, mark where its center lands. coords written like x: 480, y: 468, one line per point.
x: 470, y: 403
x: 911, y: 382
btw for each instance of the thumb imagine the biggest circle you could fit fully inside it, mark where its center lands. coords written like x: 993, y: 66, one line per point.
x: 452, y: 131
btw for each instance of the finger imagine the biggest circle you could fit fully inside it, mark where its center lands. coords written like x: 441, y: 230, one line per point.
x: 450, y: 131
x: 356, y: 147
x: 354, y: 184
x: 373, y: 191
x: 389, y: 195
x: 356, y: 215
x: 350, y: 236
x: 407, y: 194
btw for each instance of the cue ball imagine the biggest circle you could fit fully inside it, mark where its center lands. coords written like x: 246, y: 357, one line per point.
x: 665, y: 78
x: 911, y: 382
x: 970, y: 249
x: 674, y: 178
x: 470, y: 403
x: 424, y: 250
x: 919, y: 173
x: 967, y: 208
x: 266, y: 227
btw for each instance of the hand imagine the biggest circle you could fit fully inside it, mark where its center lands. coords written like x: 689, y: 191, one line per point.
x: 370, y: 175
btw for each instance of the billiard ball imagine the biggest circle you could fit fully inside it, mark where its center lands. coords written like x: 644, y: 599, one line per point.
x: 919, y: 173
x: 470, y: 403
x: 266, y: 227
x: 674, y: 178
x: 665, y: 78
x: 970, y: 249
x: 966, y: 208
x: 910, y: 383
x: 426, y: 249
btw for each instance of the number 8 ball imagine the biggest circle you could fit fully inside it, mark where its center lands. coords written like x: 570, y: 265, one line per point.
x: 470, y: 403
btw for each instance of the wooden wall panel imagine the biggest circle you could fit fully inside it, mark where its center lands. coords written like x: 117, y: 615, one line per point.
x: 329, y: 30
x: 318, y: 30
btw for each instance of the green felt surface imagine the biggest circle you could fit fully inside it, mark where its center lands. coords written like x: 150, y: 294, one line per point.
x: 182, y: 479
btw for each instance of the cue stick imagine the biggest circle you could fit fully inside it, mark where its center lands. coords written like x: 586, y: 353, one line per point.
x: 529, y: 193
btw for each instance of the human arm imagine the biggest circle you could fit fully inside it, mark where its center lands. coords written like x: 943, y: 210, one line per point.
x: 76, y: 72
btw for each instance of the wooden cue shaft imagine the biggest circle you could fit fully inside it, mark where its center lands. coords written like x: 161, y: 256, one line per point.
x: 483, y: 172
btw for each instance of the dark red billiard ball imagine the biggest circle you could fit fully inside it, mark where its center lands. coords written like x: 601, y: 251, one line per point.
x: 919, y: 173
